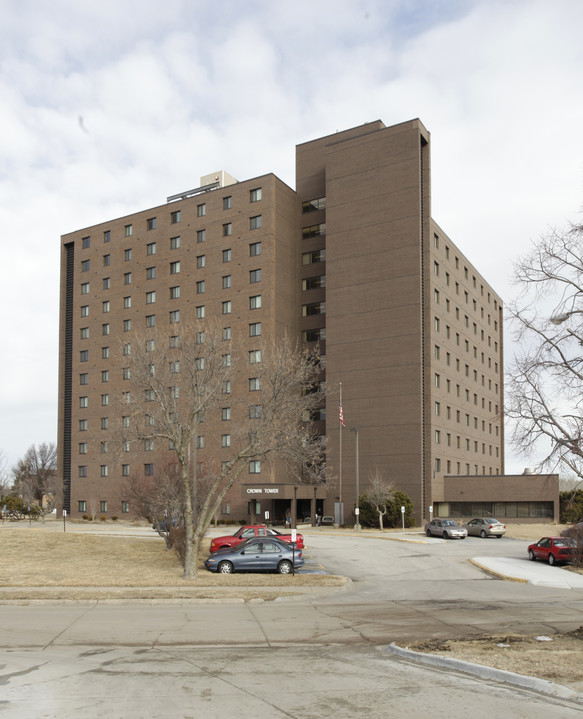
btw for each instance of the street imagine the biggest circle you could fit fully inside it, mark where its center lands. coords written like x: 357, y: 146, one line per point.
x: 315, y: 656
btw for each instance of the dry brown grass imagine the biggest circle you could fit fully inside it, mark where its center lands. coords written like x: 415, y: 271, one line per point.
x: 40, y: 559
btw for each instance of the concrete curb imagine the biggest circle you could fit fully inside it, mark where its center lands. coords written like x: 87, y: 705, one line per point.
x: 493, y: 572
x: 498, y: 675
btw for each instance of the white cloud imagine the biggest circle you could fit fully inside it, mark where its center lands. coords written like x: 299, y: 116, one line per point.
x: 167, y: 93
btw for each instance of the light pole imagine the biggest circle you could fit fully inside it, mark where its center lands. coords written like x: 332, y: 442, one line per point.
x: 357, y: 508
x: 563, y: 317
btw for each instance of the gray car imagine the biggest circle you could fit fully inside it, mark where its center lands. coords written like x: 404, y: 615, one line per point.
x: 446, y: 528
x: 485, y: 527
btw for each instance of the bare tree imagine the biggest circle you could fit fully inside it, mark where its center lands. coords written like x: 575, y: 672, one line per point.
x: 5, y: 475
x: 177, y: 384
x: 35, y: 477
x: 544, y: 391
x: 379, y: 494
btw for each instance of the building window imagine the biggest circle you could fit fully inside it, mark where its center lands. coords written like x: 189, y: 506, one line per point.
x: 174, y: 293
x: 107, y: 236
x: 200, y: 312
x: 104, y: 473
x: 254, y: 249
x: 105, y: 353
x: 201, y: 235
x: 255, y: 329
x: 127, y: 278
x: 226, y: 360
x: 227, y: 202
x: 201, y: 262
x: 255, y: 302
x: 82, y: 447
x: 125, y: 507
x: 314, y: 308
x: 105, y: 375
x: 127, y: 325
x: 151, y: 223
x: 200, y: 287
x: 83, y: 425
x: 313, y: 205
x: 174, y: 317
x: 84, y: 378
x: 127, y: 255
x: 85, y: 288
x: 128, y: 230
x: 127, y: 303
x: 227, y: 386
x: 254, y: 356
x: 175, y: 217
x: 105, y: 423
x: 83, y: 402
x: 106, y: 260
x: 201, y: 210
x: 226, y: 333
x: 126, y: 373
x: 254, y: 411
x: 104, y: 400
x: 200, y: 441
x: 254, y: 384
x: 309, y: 258
x: 85, y: 311
x: 254, y: 276
x: 84, y: 333
x: 226, y: 414
x: 151, y: 248
x: 226, y: 282
x: 255, y: 466
x: 106, y: 283
x: 314, y: 230
x: 227, y: 255
x: 255, y: 195
x: 226, y: 307
x: 174, y: 243
x: 150, y: 298
x: 227, y: 229
x: 82, y: 505
x: 150, y: 273
x: 149, y: 469
x: 199, y: 338
x: 83, y: 470
x: 175, y: 267
x: 103, y: 506
x: 255, y: 222
x: 225, y: 440
x: 85, y: 265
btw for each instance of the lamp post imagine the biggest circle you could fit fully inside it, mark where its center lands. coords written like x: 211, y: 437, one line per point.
x: 357, y: 508
x: 564, y: 316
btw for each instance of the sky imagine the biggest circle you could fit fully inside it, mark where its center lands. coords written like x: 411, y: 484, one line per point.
x: 108, y: 108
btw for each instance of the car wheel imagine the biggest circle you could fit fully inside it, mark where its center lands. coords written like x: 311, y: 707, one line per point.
x: 551, y: 560
x: 428, y: 532
x: 531, y: 555
x: 498, y: 536
x: 483, y: 534
x: 225, y: 568
x: 284, y: 567
x: 445, y: 535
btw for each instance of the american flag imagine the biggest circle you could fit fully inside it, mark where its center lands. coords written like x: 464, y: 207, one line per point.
x: 341, y: 415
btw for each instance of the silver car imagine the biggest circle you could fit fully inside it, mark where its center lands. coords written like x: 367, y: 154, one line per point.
x: 446, y: 528
x: 485, y: 527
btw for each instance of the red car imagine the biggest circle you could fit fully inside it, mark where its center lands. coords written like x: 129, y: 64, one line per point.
x: 253, y: 530
x: 552, y: 549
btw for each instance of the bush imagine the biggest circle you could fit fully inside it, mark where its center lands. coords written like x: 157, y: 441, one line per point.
x: 114, y: 519
x: 85, y: 517
x: 576, y: 533
x: 571, y: 506
x: 102, y: 518
x: 369, y: 517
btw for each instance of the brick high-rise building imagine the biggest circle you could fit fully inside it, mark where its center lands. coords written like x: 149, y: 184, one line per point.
x: 351, y: 259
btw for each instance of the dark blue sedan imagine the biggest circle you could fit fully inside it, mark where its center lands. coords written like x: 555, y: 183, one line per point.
x: 258, y: 554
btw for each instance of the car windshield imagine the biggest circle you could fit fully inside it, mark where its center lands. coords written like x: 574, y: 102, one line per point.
x: 449, y: 523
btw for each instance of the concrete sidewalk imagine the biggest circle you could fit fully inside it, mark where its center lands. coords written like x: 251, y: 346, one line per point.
x: 523, y: 570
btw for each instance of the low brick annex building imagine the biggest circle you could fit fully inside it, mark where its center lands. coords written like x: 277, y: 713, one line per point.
x: 409, y: 330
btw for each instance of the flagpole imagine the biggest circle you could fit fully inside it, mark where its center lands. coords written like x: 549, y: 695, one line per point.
x: 340, y: 463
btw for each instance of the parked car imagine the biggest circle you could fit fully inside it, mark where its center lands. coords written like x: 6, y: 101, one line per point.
x: 327, y: 521
x: 485, y: 527
x: 554, y: 550
x: 253, y: 530
x: 446, y: 528
x: 258, y: 554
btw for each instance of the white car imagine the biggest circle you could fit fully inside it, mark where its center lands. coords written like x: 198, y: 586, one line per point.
x: 446, y: 528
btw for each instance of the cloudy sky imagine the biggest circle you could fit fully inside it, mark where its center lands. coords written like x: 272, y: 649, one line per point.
x: 107, y: 108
